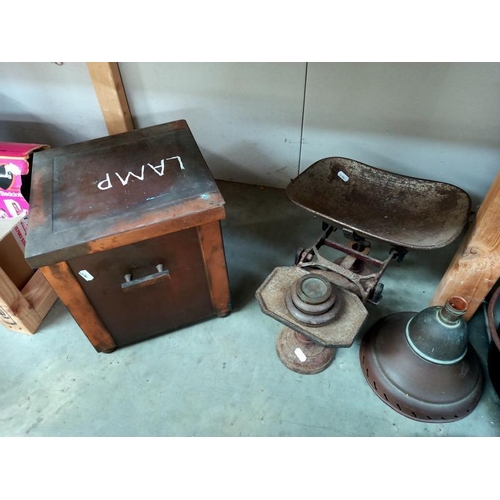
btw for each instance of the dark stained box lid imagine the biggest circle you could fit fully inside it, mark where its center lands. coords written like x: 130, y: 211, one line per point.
x: 112, y: 191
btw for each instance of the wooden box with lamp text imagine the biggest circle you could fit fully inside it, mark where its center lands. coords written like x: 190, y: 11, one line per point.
x: 127, y: 231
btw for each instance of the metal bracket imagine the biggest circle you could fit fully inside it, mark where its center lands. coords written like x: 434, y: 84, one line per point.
x: 365, y: 284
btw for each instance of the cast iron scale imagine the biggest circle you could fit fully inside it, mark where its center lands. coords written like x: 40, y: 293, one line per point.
x: 322, y: 302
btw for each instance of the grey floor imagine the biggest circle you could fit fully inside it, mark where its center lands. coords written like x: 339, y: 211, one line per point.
x: 222, y: 377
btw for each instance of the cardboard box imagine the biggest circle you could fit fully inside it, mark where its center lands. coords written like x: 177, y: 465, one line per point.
x: 12, y: 243
x: 25, y: 295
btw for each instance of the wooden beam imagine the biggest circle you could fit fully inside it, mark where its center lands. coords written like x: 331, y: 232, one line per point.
x: 111, y: 95
x: 475, y: 268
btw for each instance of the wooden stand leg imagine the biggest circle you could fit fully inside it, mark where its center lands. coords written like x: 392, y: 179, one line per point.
x: 69, y: 291
x: 210, y: 236
x: 475, y: 267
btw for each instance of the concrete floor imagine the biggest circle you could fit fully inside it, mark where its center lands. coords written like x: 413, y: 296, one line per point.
x: 222, y: 377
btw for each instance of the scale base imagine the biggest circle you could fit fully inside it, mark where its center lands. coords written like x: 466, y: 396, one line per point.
x: 302, y: 355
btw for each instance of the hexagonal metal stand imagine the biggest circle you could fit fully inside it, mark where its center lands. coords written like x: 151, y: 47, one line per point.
x: 301, y: 343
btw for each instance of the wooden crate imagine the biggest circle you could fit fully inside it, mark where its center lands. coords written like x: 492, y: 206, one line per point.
x: 126, y: 229
x: 25, y: 295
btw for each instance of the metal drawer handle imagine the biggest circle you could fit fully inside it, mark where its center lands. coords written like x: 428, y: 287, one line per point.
x: 130, y: 284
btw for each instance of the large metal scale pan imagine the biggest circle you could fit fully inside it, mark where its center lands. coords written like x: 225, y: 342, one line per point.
x: 405, y: 211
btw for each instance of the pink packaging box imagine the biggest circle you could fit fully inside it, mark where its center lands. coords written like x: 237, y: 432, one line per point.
x: 14, y: 164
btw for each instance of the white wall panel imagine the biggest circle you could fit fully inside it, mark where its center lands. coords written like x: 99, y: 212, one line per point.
x: 245, y: 117
x: 432, y: 120
x: 46, y: 103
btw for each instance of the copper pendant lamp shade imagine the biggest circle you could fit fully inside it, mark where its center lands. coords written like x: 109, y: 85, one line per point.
x: 422, y: 365
x: 494, y: 350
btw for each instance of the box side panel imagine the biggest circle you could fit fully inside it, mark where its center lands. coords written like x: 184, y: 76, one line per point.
x: 136, y: 313
x: 12, y: 261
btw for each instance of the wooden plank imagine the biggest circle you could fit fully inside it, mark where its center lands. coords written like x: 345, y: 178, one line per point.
x: 39, y: 294
x: 212, y: 247
x: 12, y: 259
x: 475, y: 268
x: 71, y: 294
x: 111, y: 95
x: 15, y: 311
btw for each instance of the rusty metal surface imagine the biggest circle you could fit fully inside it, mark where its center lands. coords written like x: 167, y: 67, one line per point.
x: 494, y: 349
x: 491, y: 318
x: 313, y: 304
x: 363, y: 282
x: 313, y: 290
x: 404, y: 211
x: 494, y: 367
x: 410, y: 385
x: 339, y: 333
x: 302, y: 355
x: 313, y: 319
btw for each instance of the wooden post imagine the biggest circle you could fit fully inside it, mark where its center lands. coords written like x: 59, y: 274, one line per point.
x: 475, y: 267
x: 110, y: 92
